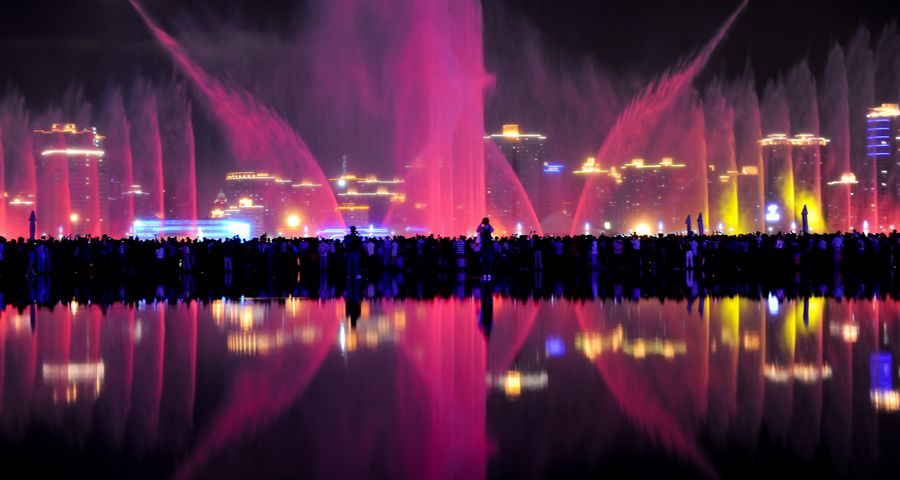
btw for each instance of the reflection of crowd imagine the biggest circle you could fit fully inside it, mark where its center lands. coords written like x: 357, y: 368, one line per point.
x: 713, y: 254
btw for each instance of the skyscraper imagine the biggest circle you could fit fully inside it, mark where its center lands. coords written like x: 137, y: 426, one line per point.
x: 806, y: 157
x: 525, y: 154
x: 778, y: 182
x: 72, y: 181
x: 883, y: 129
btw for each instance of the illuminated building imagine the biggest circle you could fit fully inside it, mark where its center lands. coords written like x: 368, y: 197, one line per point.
x: 19, y: 209
x: 525, y: 154
x: 645, y: 193
x: 365, y: 200
x: 806, y: 157
x: 79, y: 205
x: 883, y: 154
x: 557, y: 202
x: 210, y: 228
x: 267, y: 193
x: 750, y: 200
x: 604, y: 182
x: 143, y: 205
x: 837, y: 197
x: 304, y: 197
x: 778, y: 182
x: 247, y: 212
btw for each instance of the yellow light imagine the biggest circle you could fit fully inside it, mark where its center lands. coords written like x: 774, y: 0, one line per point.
x: 73, y: 217
x: 513, y: 384
x: 642, y: 229
x: 510, y: 130
x: 217, y: 213
x: 245, y: 202
x: 293, y: 221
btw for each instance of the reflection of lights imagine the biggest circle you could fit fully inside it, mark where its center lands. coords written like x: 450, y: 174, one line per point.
x: 263, y: 343
x: 554, y: 346
x: 849, y: 332
x: 593, y: 344
x: 73, y: 372
x: 802, y: 372
x: 751, y: 341
x: 885, y: 400
x: 514, y: 382
x: 772, y: 303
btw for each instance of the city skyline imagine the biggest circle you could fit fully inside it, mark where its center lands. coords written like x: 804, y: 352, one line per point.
x: 170, y: 141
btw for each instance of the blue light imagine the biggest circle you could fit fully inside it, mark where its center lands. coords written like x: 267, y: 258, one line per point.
x: 772, y: 304
x: 214, y: 228
x: 879, y: 136
x: 554, y: 346
x: 880, y: 371
x: 553, y: 168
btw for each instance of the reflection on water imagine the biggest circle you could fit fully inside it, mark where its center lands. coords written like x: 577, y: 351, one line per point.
x: 464, y: 387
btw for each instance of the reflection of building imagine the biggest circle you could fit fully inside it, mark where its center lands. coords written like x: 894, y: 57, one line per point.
x: 593, y: 345
x: 883, y: 155
x: 525, y: 154
x: 837, y: 196
x: 882, y: 392
x: 72, y: 180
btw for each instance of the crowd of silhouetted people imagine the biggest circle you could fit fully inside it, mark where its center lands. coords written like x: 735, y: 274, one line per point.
x: 274, y: 266
x: 356, y: 255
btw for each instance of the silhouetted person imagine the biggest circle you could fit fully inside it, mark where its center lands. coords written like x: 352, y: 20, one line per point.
x: 32, y: 225
x: 353, y: 243
x: 805, y: 214
x: 487, y: 249
x: 700, y: 224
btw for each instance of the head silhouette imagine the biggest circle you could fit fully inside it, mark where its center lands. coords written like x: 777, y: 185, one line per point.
x: 485, y: 221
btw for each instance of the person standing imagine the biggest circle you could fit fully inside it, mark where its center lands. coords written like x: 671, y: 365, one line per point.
x: 353, y: 244
x: 487, y: 252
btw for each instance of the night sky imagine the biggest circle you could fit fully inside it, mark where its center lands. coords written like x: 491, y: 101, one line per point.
x: 46, y: 45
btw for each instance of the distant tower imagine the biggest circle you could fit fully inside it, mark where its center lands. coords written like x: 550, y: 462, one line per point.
x: 883, y: 154
x: 525, y: 154
x: 72, y: 181
x: 806, y: 158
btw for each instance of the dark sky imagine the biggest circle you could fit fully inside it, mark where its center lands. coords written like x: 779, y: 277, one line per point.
x: 45, y: 45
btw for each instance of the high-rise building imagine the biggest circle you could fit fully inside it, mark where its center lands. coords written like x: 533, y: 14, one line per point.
x: 645, y: 199
x: 837, y: 196
x: 778, y: 182
x: 883, y: 153
x: 366, y: 200
x: 750, y: 200
x: 72, y: 181
x: 264, y: 190
x: 557, y: 203
x: 806, y: 158
x: 603, y: 186
x: 525, y: 154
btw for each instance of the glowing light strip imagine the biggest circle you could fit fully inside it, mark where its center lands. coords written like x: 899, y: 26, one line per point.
x: 73, y: 151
